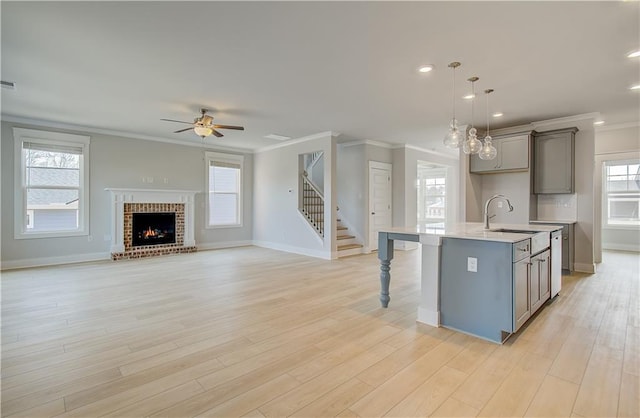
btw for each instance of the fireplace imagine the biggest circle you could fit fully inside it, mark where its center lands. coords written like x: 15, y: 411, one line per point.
x: 153, y: 228
x: 147, y: 223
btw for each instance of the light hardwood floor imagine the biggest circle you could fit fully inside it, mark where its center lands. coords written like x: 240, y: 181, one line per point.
x: 255, y: 332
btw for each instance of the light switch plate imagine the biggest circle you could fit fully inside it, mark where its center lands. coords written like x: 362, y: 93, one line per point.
x: 472, y: 264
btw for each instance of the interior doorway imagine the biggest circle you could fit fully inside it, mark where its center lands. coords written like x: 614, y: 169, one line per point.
x: 379, y: 200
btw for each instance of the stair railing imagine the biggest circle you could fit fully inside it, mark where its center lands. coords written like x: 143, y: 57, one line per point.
x: 312, y: 204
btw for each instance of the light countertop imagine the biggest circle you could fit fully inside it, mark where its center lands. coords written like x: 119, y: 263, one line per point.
x: 475, y: 230
x: 554, y: 221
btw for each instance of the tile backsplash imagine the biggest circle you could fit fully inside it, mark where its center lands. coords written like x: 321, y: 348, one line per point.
x: 557, y: 207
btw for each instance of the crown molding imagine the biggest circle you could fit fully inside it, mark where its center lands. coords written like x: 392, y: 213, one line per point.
x: 120, y: 134
x: 297, y: 141
x: 366, y: 142
x: 617, y: 126
x: 566, y: 120
x: 427, y: 151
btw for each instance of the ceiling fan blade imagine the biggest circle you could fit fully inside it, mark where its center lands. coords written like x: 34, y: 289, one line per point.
x: 216, y: 133
x: 237, y: 128
x: 182, y: 130
x: 179, y: 121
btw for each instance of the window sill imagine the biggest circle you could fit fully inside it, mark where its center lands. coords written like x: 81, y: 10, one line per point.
x: 223, y: 226
x: 52, y: 234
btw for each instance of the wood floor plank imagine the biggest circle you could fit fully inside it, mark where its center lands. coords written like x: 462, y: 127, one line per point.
x: 256, y: 332
x: 600, y: 387
x: 555, y: 398
x: 396, y: 388
x: 518, y: 389
x: 428, y: 397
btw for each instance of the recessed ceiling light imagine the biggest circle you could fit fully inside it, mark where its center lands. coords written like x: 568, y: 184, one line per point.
x: 636, y: 87
x: 425, y: 68
x: 498, y: 114
x: 469, y: 96
x: 598, y: 122
x: 634, y: 54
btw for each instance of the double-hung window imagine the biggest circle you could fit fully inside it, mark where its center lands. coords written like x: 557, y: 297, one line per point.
x: 224, y: 189
x: 51, y: 184
x: 622, y: 193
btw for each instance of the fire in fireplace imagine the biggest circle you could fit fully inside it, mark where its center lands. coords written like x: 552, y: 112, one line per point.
x: 153, y: 228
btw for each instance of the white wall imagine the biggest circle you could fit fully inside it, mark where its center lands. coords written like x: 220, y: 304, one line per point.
x: 405, y: 194
x: 352, y: 188
x: 515, y: 186
x: 614, y: 143
x: 117, y: 162
x: 276, y: 219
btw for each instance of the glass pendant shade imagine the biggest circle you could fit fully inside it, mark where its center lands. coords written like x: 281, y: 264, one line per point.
x: 453, y: 138
x: 488, y: 151
x: 472, y: 145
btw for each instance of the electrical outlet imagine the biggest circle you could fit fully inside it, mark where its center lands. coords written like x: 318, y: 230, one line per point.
x: 472, y: 264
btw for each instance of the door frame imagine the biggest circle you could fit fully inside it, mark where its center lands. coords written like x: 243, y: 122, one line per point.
x: 372, y: 238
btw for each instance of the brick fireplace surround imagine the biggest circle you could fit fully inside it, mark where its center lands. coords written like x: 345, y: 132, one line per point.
x: 126, y: 202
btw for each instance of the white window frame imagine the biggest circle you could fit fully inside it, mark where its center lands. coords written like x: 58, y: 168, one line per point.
x: 211, y: 157
x: 21, y: 135
x: 605, y: 196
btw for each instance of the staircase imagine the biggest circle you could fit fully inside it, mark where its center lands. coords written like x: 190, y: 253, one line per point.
x: 347, y: 243
x: 312, y: 208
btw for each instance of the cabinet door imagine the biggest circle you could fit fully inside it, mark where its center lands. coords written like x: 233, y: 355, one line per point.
x: 514, y: 153
x: 477, y: 165
x: 534, y: 284
x: 553, y: 166
x: 544, y: 270
x: 521, y: 300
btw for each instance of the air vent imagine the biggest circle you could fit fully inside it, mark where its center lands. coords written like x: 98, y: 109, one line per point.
x: 8, y: 85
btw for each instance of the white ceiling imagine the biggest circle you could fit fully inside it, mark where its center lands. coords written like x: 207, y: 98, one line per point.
x: 299, y: 68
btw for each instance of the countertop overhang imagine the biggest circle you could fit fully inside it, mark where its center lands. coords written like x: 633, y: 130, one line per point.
x: 475, y: 231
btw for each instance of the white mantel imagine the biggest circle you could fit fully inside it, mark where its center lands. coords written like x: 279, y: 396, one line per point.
x: 121, y: 196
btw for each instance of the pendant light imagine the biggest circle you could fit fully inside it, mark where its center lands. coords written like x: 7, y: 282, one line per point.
x: 472, y: 145
x: 488, y: 151
x: 453, y: 138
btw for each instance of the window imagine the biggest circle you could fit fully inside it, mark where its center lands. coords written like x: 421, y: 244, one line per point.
x: 622, y: 193
x: 432, y: 196
x: 224, y: 189
x: 51, y: 184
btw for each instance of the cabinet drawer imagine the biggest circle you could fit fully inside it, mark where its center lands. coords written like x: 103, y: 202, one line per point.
x: 521, y: 250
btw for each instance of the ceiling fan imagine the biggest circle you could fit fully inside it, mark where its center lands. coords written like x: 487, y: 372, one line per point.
x: 203, y: 126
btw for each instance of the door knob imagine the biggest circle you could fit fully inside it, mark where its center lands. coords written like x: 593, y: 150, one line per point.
x: 373, y: 213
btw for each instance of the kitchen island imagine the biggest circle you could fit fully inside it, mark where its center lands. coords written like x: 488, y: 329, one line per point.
x: 482, y: 282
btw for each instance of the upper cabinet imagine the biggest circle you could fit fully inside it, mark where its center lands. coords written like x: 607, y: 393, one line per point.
x: 513, y: 155
x: 553, y: 169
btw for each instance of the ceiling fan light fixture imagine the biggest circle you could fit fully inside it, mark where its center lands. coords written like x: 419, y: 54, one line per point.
x: 202, y: 131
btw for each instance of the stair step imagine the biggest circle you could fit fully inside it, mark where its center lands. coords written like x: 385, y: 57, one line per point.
x: 342, y: 228
x: 348, y: 246
x: 345, y: 237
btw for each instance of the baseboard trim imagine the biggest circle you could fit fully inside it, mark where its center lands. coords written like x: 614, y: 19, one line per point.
x: 428, y: 317
x: 52, y: 261
x: 584, y: 267
x: 620, y: 247
x: 295, y: 250
x: 220, y: 245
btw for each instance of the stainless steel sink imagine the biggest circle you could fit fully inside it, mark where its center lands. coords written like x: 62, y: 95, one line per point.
x: 514, y: 231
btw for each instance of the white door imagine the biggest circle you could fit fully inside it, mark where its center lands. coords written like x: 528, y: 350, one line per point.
x: 379, y: 200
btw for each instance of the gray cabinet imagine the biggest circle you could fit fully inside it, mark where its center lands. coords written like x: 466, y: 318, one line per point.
x: 567, y: 242
x: 521, y: 293
x: 513, y: 155
x: 553, y: 169
x: 539, y: 280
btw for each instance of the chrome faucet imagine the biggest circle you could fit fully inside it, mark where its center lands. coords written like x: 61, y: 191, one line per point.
x: 486, y: 208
